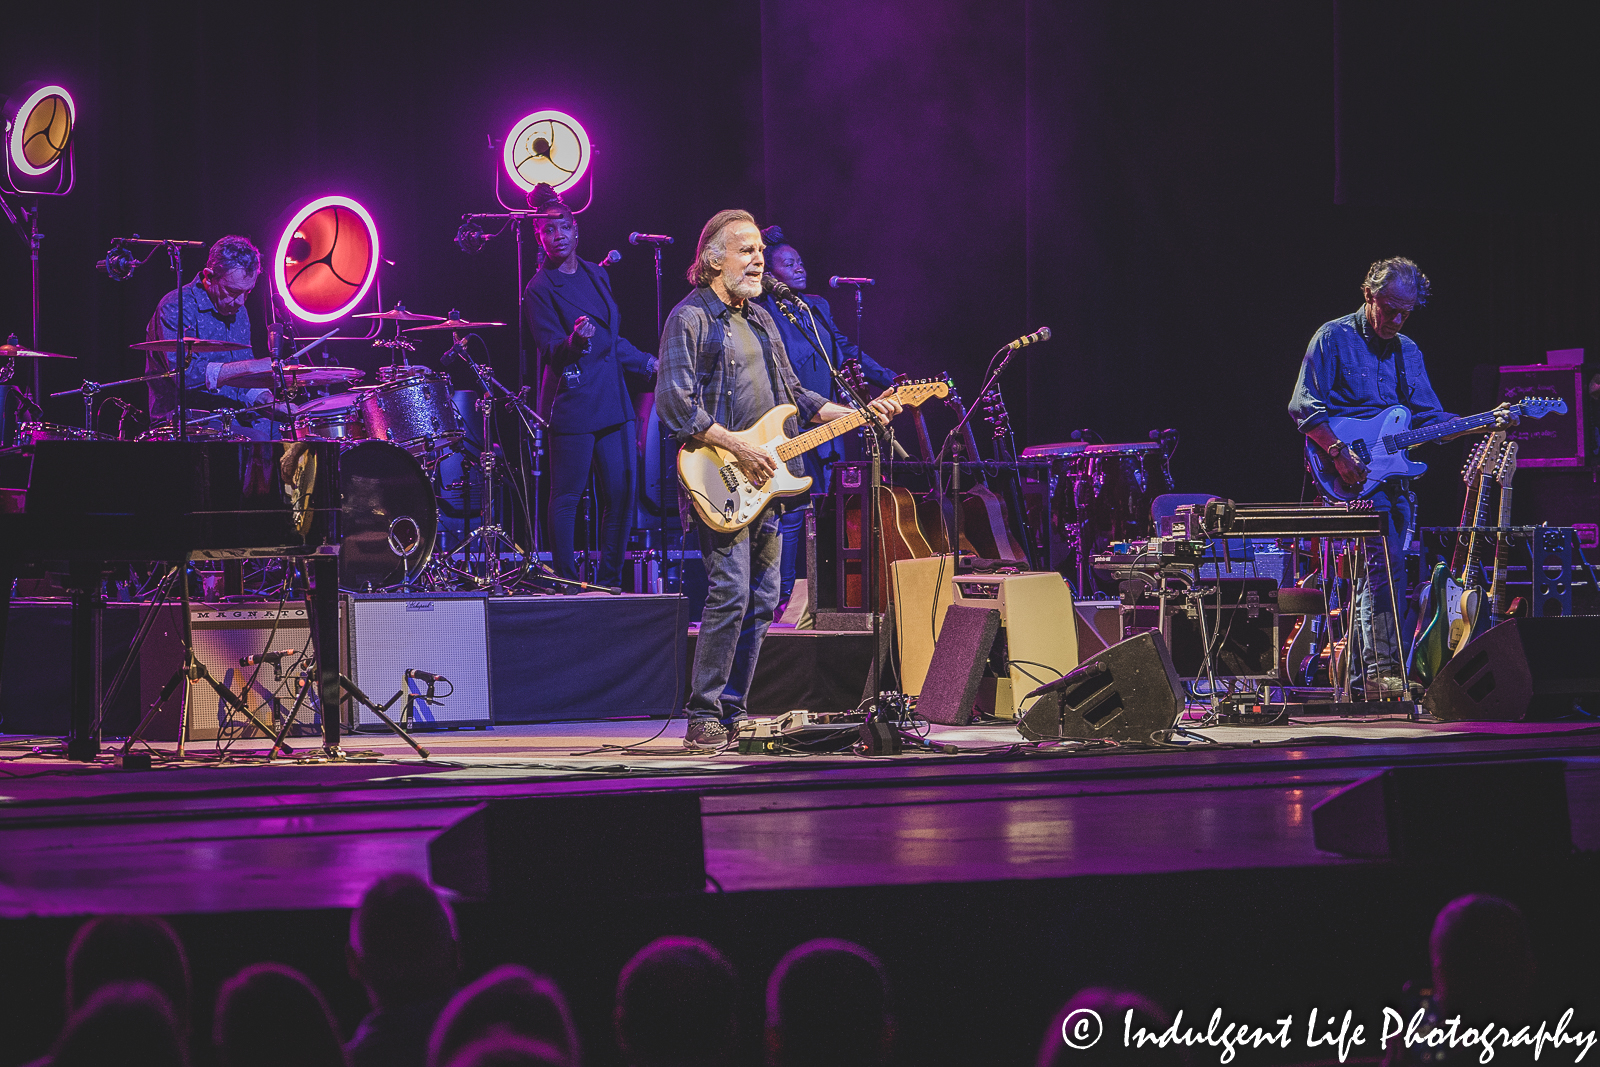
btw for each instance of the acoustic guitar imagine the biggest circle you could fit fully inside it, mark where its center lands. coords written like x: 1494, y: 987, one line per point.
x: 983, y: 513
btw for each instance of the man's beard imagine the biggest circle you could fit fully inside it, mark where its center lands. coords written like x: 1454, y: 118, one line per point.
x: 745, y: 288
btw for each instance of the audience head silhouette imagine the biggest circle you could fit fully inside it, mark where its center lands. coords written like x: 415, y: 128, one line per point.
x: 675, y: 1005
x: 128, y: 948
x: 509, y: 1000
x: 828, y: 1004
x: 270, y: 1015
x: 1483, y: 965
x: 403, y: 942
x: 122, y: 1022
x: 510, y: 1050
x: 1112, y: 1007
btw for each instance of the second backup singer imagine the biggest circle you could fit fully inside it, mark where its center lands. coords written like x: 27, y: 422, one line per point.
x: 576, y: 326
x: 811, y: 366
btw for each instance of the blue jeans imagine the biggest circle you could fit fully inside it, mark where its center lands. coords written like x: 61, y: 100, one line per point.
x: 1378, y: 589
x: 741, y: 595
x: 794, y: 538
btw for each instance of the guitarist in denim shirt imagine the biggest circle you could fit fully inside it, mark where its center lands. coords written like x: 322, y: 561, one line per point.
x: 1359, y: 365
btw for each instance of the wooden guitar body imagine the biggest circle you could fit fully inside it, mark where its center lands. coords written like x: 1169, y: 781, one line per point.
x: 721, y: 493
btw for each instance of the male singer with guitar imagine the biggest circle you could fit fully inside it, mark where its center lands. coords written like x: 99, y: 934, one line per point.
x: 1360, y: 365
x: 723, y: 366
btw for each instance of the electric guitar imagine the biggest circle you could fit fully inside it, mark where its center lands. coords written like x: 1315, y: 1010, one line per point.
x: 1382, y: 442
x: 1467, y: 620
x: 1497, y: 584
x: 1431, y: 648
x: 723, y: 494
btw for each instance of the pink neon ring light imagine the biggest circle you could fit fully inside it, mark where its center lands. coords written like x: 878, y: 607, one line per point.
x: 333, y: 303
x: 564, y: 137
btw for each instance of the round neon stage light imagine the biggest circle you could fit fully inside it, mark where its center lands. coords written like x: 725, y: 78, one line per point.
x: 547, y: 146
x: 41, y: 128
x: 327, y: 259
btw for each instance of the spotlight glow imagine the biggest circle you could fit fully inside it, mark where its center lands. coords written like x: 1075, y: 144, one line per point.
x: 547, y: 146
x: 327, y: 259
x: 41, y: 128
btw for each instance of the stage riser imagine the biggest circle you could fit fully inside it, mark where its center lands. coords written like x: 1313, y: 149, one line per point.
x: 548, y: 659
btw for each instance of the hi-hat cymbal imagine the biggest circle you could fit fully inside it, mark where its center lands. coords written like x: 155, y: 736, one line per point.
x: 454, y: 324
x: 258, y: 374
x: 18, y: 352
x: 398, y: 312
x: 193, y: 344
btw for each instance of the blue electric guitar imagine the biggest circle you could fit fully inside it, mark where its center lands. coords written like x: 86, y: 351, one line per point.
x: 1383, y: 441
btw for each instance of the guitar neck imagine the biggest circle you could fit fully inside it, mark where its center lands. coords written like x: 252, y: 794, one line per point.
x: 1497, y: 586
x: 1463, y: 424
x: 1474, y: 539
x: 820, y: 435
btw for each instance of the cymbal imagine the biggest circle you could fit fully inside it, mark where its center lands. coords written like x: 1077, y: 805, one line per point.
x: 454, y: 324
x: 18, y: 352
x: 194, y: 344
x: 258, y: 374
x: 398, y: 312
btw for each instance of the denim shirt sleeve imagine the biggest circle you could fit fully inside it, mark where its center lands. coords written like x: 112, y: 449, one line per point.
x: 1308, y: 405
x: 678, y: 397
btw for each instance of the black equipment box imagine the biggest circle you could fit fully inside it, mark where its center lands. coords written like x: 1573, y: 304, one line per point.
x: 1241, y: 622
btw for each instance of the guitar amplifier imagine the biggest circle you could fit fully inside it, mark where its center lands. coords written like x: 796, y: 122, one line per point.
x: 1557, y: 440
x: 1038, y: 639
x: 441, y: 633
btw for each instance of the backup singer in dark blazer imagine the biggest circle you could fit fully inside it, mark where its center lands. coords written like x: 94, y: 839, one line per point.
x: 575, y: 325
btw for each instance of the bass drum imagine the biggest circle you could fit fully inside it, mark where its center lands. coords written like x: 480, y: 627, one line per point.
x: 389, y: 517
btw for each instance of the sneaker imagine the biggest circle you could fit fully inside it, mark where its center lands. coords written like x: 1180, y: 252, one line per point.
x: 705, y: 735
x: 1389, y: 687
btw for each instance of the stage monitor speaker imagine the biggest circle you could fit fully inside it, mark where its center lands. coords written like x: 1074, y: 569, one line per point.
x: 951, y: 688
x: 441, y: 633
x: 225, y: 634
x: 1451, y: 814
x: 1522, y: 669
x: 1130, y: 692
x: 531, y: 850
x: 1038, y: 640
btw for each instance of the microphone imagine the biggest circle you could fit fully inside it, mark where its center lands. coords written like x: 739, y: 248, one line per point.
x: 777, y: 288
x: 118, y: 265
x: 649, y: 238
x: 1041, y: 334
x: 273, y: 658
x: 836, y: 281
x: 412, y: 672
x: 612, y: 256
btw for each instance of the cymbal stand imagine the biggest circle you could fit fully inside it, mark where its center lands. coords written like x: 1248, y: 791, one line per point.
x: 489, y: 537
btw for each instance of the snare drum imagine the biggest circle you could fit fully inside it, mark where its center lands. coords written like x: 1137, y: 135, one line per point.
x: 333, y: 418
x: 31, y: 432
x: 414, y: 413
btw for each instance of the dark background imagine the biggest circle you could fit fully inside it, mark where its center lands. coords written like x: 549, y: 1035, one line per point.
x: 1183, y: 193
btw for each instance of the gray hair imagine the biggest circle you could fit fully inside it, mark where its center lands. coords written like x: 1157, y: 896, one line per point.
x: 1397, y: 272
x: 234, y: 253
x: 714, y: 245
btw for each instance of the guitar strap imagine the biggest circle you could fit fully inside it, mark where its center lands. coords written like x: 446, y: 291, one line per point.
x: 1402, y: 386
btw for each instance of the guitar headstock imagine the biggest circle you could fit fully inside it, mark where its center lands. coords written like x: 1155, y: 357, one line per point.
x: 1475, y: 460
x: 994, y: 410
x: 854, y: 375
x: 1537, y: 407
x: 913, y: 393
x: 1507, y: 467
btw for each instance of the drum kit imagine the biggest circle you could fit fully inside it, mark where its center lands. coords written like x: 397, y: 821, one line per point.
x: 394, y: 435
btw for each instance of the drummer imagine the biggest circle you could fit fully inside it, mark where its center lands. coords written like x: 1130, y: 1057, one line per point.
x: 212, y: 310
x: 574, y: 321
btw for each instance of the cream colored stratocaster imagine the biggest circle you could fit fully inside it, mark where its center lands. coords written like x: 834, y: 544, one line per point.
x: 724, y: 495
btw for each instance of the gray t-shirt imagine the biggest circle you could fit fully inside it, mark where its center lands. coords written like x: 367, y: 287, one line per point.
x: 748, y: 373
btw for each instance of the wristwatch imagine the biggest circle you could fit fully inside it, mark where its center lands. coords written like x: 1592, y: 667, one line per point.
x: 1334, y: 449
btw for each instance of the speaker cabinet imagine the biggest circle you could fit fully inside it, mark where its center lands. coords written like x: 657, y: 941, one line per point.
x: 531, y: 850
x: 1130, y: 692
x: 1521, y: 669
x: 1451, y: 814
x: 920, y: 590
x: 1038, y: 639
x: 225, y: 634
x: 441, y: 633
